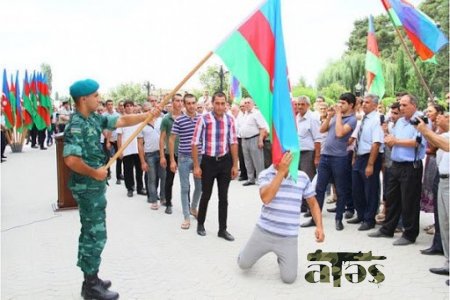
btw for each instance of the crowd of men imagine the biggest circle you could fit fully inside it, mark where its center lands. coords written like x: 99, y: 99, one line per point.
x: 366, y: 156
x: 372, y: 160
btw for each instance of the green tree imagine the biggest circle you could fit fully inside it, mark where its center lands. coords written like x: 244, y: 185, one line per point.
x: 210, y: 79
x: 332, y: 92
x: 128, y: 91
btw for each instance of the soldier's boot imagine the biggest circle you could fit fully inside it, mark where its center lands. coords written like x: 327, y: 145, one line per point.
x: 105, y: 283
x: 93, y: 288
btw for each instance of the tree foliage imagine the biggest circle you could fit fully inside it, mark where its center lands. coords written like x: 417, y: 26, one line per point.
x: 210, y: 79
x: 46, y: 69
x: 398, y: 70
x: 128, y: 91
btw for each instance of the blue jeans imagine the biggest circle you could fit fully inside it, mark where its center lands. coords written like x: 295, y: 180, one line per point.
x: 338, y: 168
x: 155, y: 172
x: 185, y: 166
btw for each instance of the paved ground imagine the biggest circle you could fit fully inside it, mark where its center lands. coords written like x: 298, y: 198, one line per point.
x: 148, y: 256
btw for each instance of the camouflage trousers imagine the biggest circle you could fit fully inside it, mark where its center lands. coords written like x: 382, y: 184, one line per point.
x: 91, y: 205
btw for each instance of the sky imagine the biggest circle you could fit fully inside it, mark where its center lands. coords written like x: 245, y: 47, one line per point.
x: 160, y: 41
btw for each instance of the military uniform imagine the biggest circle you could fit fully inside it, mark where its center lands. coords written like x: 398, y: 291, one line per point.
x: 82, y: 139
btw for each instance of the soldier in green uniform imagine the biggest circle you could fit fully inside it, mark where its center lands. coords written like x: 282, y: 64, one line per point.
x: 83, y: 154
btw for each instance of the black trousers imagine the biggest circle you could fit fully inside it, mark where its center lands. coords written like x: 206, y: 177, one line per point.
x: 118, y: 161
x: 221, y: 171
x: 242, y: 168
x: 3, y: 142
x: 403, y: 199
x: 169, y: 180
x: 131, y: 162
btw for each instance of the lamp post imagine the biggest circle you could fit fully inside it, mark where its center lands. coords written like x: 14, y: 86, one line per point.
x: 149, y: 86
x: 360, y: 87
x: 221, y: 75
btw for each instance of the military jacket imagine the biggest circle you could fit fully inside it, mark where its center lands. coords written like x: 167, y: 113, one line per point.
x: 82, y: 139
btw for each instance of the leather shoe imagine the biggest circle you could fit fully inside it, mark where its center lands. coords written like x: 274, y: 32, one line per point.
x: 118, y: 181
x: 201, y: 230
x: 348, y: 215
x: 142, y: 192
x: 354, y: 221
x: 242, y: 178
x: 439, y: 271
x: 403, y: 242
x: 248, y: 183
x: 226, y: 235
x: 168, y: 210
x: 366, y: 226
x: 378, y: 234
x: 307, y: 214
x: 339, y: 225
x: 309, y: 223
x: 331, y: 210
x: 130, y: 193
x: 431, y: 251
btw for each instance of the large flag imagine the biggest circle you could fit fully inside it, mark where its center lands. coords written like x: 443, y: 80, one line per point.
x: 18, y: 110
x: 255, y: 54
x: 375, y: 79
x: 9, y: 117
x: 424, y: 34
x: 28, y: 111
x: 235, y: 90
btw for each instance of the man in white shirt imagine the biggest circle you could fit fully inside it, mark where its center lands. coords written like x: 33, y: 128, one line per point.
x: 130, y: 155
x: 252, y: 131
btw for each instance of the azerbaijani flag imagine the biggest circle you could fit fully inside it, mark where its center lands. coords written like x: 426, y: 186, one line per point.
x: 9, y: 117
x: 235, y: 90
x: 255, y: 54
x: 28, y: 111
x: 424, y: 34
x: 12, y: 99
x: 18, y: 112
x: 375, y: 79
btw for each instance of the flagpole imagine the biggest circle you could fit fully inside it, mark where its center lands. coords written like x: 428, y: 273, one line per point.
x: 422, y: 80
x: 161, y: 106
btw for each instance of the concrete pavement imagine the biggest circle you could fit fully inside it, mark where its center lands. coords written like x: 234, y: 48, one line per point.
x: 148, y: 256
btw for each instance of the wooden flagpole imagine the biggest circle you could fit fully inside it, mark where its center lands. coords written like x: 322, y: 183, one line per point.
x: 161, y: 106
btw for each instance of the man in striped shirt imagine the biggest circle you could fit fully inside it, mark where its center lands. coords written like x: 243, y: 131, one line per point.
x: 277, y: 227
x: 216, y: 133
x: 183, y: 127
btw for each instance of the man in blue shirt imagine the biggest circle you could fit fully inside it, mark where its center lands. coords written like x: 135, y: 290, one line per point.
x: 367, y: 164
x: 405, y: 182
x: 334, y: 162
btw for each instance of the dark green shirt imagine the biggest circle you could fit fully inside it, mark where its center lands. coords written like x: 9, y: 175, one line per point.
x: 166, y: 126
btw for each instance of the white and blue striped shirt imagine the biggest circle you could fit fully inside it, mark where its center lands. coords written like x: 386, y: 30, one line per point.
x: 282, y: 215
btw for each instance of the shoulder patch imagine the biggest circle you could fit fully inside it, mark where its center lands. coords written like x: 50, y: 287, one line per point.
x: 75, y: 130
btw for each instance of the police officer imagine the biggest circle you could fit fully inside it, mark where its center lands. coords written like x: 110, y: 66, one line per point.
x: 83, y: 154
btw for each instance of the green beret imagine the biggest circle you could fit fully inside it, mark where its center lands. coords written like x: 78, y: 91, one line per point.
x: 83, y: 88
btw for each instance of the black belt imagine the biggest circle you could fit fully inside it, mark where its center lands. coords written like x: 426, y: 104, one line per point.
x: 402, y: 163
x: 443, y: 176
x: 362, y: 155
x: 251, y: 137
x: 216, y: 158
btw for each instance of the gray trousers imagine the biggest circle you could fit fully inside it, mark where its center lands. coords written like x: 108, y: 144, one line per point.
x: 443, y: 199
x: 253, y: 157
x: 261, y: 243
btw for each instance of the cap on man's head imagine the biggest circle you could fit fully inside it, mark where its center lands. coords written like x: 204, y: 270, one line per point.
x: 83, y: 88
